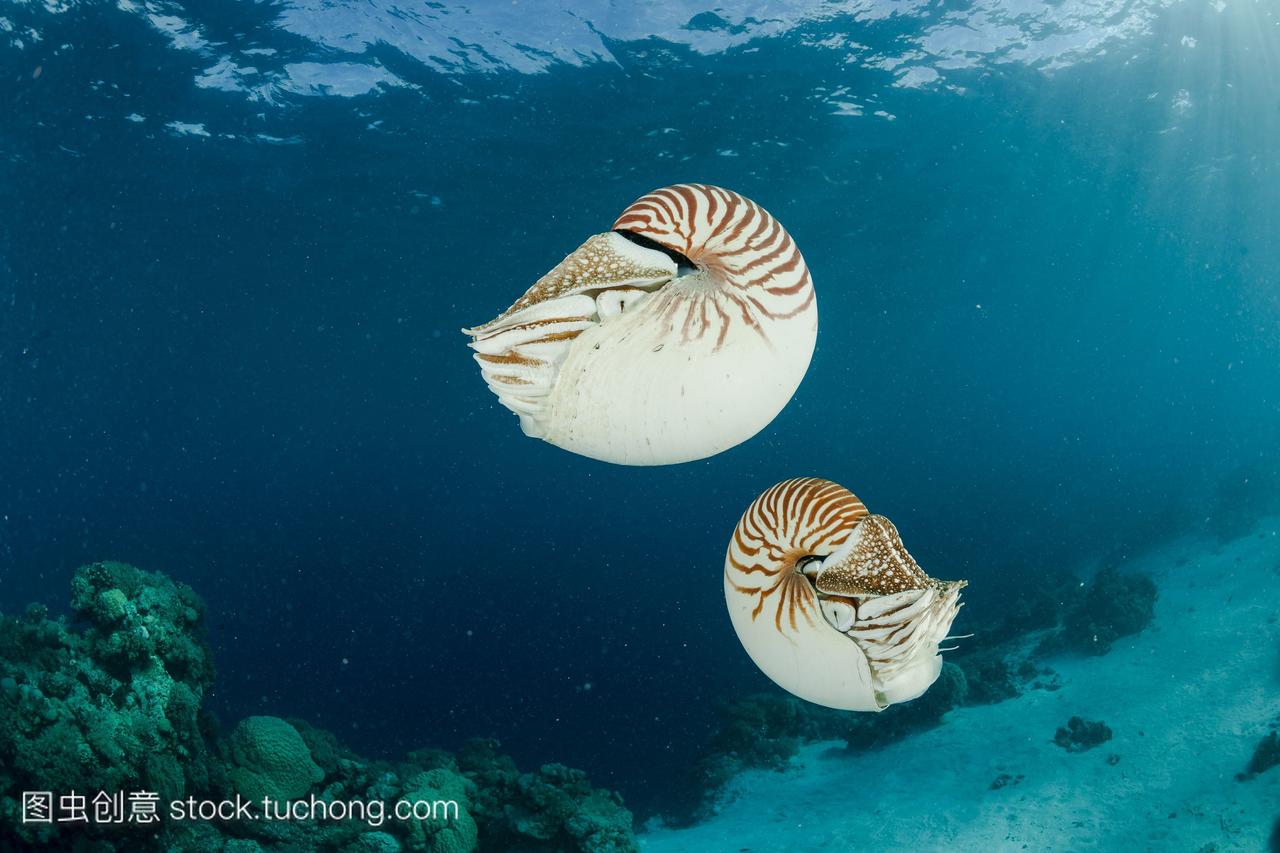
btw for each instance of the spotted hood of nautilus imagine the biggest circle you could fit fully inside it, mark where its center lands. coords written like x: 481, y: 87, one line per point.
x: 679, y: 333
x: 829, y: 604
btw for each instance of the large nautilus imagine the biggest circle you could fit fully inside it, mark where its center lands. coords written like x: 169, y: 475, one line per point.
x: 829, y: 604
x: 680, y: 333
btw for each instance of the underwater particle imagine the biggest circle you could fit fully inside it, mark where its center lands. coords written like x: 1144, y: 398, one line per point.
x: 1080, y: 735
x: 679, y: 333
x: 828, y: 602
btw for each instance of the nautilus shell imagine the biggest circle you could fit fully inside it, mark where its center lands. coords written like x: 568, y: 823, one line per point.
x: 681, y: 332
x: 829, y: 604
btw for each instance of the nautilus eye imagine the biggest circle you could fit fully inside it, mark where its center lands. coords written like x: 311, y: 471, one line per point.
x: 829, y: 604
x: 680, y: 333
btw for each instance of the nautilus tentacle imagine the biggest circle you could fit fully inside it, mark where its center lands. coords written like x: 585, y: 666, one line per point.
x: 828, y: 602
x: 680, y: 333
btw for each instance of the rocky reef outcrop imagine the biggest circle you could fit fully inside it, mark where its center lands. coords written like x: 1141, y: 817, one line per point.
x: 112, y: 701
x: 1114, y: 605
x: 764, y: 730
x: 1265, y: 756
x: 115, y: 705
x: 1079, y: 734
x: 555, y: 808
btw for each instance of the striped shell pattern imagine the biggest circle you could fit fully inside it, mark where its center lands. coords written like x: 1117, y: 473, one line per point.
x: 679, y: 333
x: 828, y: 602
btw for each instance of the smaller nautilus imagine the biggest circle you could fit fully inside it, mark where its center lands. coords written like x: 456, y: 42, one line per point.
x: 829, y: 604
x: 681, y: 332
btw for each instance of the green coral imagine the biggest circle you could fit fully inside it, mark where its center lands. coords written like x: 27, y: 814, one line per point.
x: 332, y: 757
x: 1115, y: 605
x: 114, y: 706
x: 447, y: 832
x: 113, y: 703
x: 156, y: 620
x: 374, y: 842
x: 553, y: 809
x: 113, y: 605
x: 1079, y: 734
x: 988, y: 677
x: 270, y: 760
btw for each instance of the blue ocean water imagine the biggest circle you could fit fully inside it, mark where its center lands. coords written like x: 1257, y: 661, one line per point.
x: 237, y: 242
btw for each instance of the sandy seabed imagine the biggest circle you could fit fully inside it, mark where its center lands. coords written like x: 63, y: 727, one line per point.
x: 1188, y: 700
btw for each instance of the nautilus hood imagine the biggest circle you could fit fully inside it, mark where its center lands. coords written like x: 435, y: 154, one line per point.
x: 677, y: 334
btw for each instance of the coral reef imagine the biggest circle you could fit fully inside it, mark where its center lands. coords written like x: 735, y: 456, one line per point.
x: 553, y: 809
x: 114, y: 704
x: 764, y: 730
x: 1115, y: 605
x: 113, y: 707
x: 270, y: 759
x: 1265, y: 756
x: 1030, y: 602
x: 867, y: 731
x: 761, y: 730
x: 1079, y: 735
x: 459, y: 833
x: 1004, y: 780
x: 989, y: 678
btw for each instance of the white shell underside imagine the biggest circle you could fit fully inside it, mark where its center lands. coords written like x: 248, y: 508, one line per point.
x: 888, y: 655
x: 649, y: 378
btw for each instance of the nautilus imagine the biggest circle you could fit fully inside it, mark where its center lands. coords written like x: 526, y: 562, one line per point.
x: 679, y: 333
x: 829, y: 604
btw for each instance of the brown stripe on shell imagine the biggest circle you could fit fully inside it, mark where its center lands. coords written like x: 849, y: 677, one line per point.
x: 732, y: 239
x: 790, y: 521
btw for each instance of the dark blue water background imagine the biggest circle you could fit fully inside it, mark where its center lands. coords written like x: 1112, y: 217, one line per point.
x: 1048, y: 337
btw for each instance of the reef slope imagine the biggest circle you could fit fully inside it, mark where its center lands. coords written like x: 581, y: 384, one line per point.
x: 1187, y: 701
